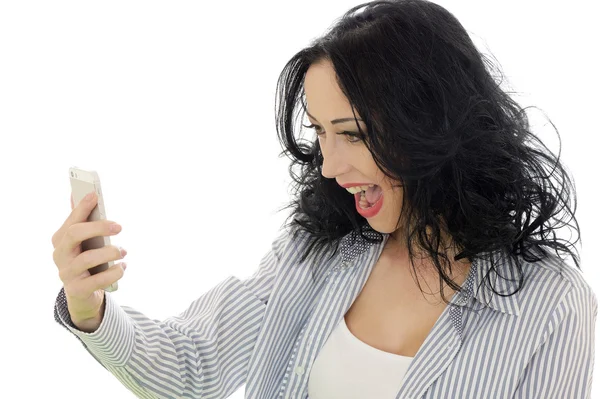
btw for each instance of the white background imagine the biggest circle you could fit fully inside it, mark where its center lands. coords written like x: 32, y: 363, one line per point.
x: 173, y: 104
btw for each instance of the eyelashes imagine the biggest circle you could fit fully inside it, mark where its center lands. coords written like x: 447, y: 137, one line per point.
x: 356, y: 137
x: 313, y: 127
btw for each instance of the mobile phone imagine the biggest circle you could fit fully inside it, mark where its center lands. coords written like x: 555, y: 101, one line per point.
x: 82, y: 183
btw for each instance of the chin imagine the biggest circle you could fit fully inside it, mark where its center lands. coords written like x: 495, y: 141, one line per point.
x: 383, y: 225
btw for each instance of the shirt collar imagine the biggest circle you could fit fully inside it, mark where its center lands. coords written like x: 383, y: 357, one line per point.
x: 504, y: 280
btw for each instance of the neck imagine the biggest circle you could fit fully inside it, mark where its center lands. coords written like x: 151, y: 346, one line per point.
x: 397, y: 250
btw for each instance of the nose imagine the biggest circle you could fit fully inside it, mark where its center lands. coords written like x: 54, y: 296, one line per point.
x: 334, y: 162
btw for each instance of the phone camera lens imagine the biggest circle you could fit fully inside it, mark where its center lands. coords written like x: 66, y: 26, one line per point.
x: 71, y: 174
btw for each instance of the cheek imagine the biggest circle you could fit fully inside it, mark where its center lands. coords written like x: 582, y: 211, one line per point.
x: 394, y: 197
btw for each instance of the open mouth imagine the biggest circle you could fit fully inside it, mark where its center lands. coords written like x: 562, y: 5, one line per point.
x: 366, y: 199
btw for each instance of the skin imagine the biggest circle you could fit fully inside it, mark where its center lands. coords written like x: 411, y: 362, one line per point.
x: 350, y: 162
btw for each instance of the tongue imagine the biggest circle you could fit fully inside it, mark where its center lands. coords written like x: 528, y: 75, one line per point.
x: 373, y: 194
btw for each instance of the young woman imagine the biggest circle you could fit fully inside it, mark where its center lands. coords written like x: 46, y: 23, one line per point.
x: 418, y: 262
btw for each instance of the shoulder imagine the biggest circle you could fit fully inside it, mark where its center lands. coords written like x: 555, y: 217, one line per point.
x: 561, y: 280
x: 290, y: 238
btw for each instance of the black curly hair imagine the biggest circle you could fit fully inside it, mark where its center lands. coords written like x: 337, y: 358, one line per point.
x: 439, y: 124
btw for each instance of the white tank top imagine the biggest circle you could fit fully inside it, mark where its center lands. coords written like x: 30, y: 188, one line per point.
x: 348, y: 368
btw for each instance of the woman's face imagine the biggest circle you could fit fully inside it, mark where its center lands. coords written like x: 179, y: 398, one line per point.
x: 344, y: 160
x: 349, y: 162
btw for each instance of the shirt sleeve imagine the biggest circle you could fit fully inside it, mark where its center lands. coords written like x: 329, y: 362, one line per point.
x: 203, y: 352
x: 563, y: 365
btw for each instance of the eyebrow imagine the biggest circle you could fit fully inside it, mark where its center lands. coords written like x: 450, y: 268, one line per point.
x: 334, y: 121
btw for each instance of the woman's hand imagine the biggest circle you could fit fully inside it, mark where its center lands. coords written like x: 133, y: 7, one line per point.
x: 85, y: 292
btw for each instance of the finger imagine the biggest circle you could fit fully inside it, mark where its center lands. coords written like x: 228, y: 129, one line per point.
x: 103, y: 279
x: 78, y: 232
x: 92, y: 258
x: 79, y: 213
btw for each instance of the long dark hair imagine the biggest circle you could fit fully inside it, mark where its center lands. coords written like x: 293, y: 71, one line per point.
x: 438, y: 123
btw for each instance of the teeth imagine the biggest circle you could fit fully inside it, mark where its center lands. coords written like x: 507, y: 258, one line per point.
x: 358, y: 189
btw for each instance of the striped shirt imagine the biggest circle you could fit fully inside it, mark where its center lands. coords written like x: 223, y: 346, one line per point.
x: 266, y: 331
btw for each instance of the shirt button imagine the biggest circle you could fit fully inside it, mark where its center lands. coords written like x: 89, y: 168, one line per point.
x: 299, y: 370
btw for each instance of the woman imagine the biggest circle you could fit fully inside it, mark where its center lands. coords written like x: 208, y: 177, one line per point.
x: 423, y: 172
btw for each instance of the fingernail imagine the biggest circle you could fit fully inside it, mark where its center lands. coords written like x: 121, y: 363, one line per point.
x: 89, y: 196
x: 115, y: 228
x: 123, y: 251
x: 124, y: 265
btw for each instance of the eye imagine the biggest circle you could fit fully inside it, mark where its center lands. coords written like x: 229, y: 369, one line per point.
x: 349, y: 134
x: 313, y: 127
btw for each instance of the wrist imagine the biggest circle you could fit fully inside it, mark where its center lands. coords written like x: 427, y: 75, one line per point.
x: 91, y: 324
